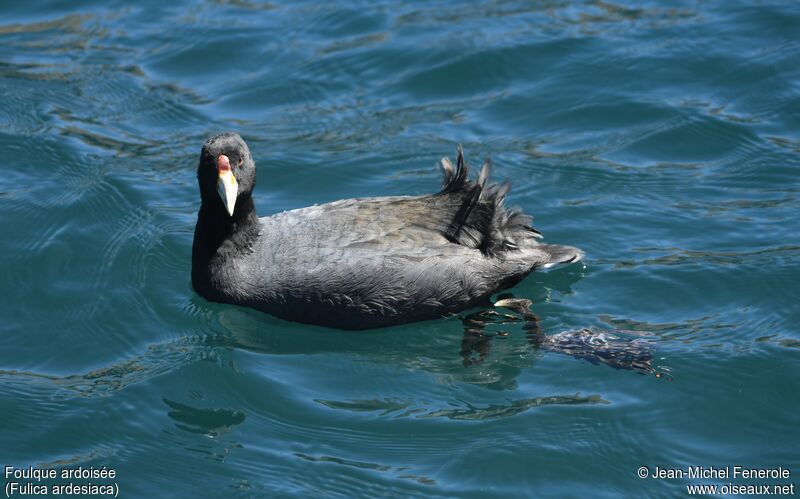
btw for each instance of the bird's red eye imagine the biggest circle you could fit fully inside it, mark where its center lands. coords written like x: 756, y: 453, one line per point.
x: 241, y: 160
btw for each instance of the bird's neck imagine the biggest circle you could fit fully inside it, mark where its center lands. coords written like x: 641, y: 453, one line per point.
x: 220, y: 237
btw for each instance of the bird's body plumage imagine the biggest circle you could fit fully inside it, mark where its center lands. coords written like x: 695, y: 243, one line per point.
x: 370, y: 262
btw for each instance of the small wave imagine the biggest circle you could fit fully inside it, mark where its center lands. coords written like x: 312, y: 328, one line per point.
x: 466, y: 413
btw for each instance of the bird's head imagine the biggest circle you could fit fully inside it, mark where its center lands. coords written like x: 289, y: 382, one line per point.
x: 226, y: 171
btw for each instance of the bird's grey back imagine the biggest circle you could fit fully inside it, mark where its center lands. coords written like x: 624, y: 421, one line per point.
x: 368, y: 261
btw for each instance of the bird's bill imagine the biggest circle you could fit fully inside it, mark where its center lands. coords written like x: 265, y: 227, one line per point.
x: 227, y: 187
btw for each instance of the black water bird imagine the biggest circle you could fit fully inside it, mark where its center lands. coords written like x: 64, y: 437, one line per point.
x: 359, y: 263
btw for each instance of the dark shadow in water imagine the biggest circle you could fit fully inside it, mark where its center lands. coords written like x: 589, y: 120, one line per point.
x: 514, y: 407
x: 615, y: 348
x: 460, y: 410
x: 210, y: 422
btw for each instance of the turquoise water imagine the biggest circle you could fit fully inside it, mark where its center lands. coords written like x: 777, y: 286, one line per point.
x: 661, y: 138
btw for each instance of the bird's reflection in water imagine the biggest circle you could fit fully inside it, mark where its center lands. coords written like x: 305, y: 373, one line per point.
x: 615, y: 348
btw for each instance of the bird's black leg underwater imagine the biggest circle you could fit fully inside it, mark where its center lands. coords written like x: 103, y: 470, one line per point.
x: 477, y: 343
x: 616, y: 349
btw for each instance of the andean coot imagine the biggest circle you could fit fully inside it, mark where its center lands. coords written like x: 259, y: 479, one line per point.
x: 359, y: 263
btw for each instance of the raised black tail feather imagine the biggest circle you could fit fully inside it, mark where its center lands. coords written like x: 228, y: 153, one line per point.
x: 481, y: 221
